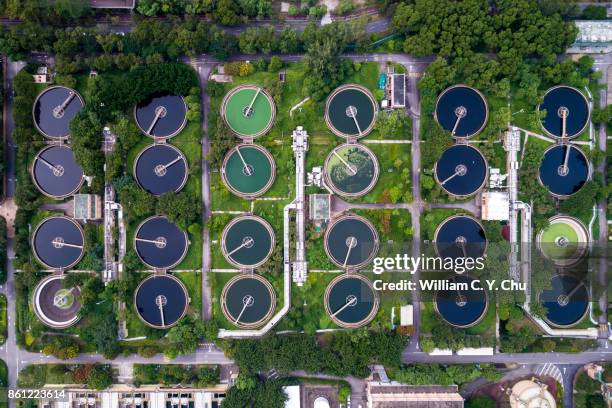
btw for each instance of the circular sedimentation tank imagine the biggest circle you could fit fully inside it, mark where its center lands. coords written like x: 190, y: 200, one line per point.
x: 247, y: 241
x: 461, y: 170
x: 564, y: 241
x: 249, y: 111
x: 53, y: 110
x: 161, y: 115
x: 351, y: 301
x: 351, y: 242
x: 58, y: 242
x: 56, y: 173
x: 350, y: 111
x: 529, y: 394
x: 460, y: 236
x: 248, y: 301
x: 248, y: 170
x: 462, y: 111
x: 461, y: 305
x: 351, y: 170
x: 566, y: 302
x: 161, y: 168
x: 159, y: 243
x: 564, y: 170
x: 564, y: 104
x: 161, y: 300
x: 54, y: 305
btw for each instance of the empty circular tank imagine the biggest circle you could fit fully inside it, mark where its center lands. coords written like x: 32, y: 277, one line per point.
x: 54, y: 305
x: 351, y: 170
x: 247, y: 241
x: 248, y: 301
x: 460, y: 236
x: 350, y: 111
x: 566, y: 302
x: 249, y: 111
x: 159, y: 243
x: 56, y: 173
x: 160, y: 169
x: 161, y: 115
x: 161, y: 300
x: 462, y: 111
x: 564, y: 104
x: 351, y: 242
x: 248, y: 170
x: 461, y: 170
x: 461, y: 305
x: 351, y: 301
x: 564, y: 170
x: 53, y: 110
x: 58, y: 242
x: 564, y: 241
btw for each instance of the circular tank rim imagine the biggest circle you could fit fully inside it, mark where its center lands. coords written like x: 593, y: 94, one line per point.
x: 575, y: 222
x: 486, y: 104
x: 461, y: 215
x: 263, y: 190
x: 39, y: 187
x: 72, y: 220
x: 187, y: 243
x: 176, y: 149
x: 372, y: 182
x: 331, y: 96
x: 41, y: 315
x: 235, y: 90
x: 261, y: 321
x: 464, y: 326
x: 484, y: 180
x: 63, y: 137
x: 589, y: 170
x: 586, y: 101
x: 235, y: 220
x: 185, y: 292
x: 586, y: 310
x: 368, y: 318
x: 358, y: 218
x: 165, y: 137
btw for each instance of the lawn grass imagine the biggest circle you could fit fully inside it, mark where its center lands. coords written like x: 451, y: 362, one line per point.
x: 193, y: 283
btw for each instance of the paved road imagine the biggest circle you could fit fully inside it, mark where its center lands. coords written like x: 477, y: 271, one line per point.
x: 204, y: 69
x: 9, y: 352
x: 512, y: 358
x: 603, y: 63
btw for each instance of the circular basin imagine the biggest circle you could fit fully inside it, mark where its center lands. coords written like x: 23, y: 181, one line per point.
x: 460, y: 236
x: 351, y: 301
x: 351, y: 242
x: 159, y: 243
x: 161, y: 115
x: 350, y: 111
x: 564, y: 104
x: 461, y: 170
x: 54, y: 305
x: 56, y: 173
x: 58, y: 242
x: 566, y: 302
x: 161, y: 300
x: 462, y: 111
x: 564, y: 240
x: 53, y: 110
x: 351, y: 170
x: 248, y: 301
x: 247, y: 241
x: 249, y: 111
x: 461, y: 305
x: 248, y: 170
x: 564, y: 170
x: 160, y: 169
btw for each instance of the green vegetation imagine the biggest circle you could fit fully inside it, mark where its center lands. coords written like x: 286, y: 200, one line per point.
x: 200, y: 376
x: 422, y: 374
x: 3, y: 253
x: 94, y: 376
x: 480, y: 401
x: 341, y: 353
x: 587, y: 392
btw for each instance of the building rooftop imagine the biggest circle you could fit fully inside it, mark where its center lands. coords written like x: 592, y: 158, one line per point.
x: 396, y: 395
x: 593, y: 37
x: 87, y: 207
x: 320, y: 208
x: 398, y: 89
x: 495, y: 206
